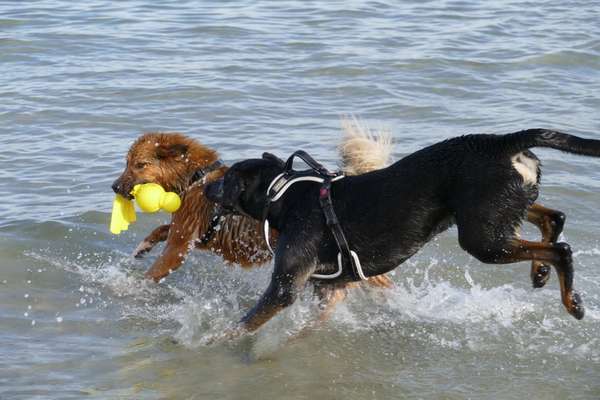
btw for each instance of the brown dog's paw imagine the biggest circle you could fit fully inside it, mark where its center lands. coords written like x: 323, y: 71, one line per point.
x: 142, y: 248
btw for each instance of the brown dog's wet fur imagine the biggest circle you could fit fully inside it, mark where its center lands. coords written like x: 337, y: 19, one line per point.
x: 170, y: 160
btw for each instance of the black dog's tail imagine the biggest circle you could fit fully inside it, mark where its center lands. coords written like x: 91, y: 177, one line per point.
x: 523, y: 140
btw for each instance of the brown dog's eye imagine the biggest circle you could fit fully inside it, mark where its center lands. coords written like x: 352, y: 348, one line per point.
x: 141, y: 165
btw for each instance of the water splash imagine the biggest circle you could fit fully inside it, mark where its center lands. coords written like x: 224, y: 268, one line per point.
x: 199, y: 305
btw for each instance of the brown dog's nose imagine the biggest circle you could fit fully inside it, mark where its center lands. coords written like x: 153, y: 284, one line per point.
x: 116, y: 186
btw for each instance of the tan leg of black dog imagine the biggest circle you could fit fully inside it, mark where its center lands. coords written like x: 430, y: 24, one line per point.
x: 550, y: 223
x: 499, y: 250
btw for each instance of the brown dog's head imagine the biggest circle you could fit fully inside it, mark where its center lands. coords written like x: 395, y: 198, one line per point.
x: 168, y: 159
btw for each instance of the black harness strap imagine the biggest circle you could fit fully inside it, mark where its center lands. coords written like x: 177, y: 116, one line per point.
x: 336, y: 230
x: 314, y: 165
x: 199, y: 176
x: 349, y: 259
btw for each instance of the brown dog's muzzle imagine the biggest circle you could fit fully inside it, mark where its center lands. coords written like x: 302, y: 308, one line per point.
x: 123, y: 188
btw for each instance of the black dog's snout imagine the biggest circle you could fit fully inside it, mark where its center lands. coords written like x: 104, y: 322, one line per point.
x: 214, y: 191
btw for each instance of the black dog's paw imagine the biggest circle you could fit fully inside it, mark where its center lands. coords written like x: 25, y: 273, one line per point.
x: 577, y: 310
x: 540, y: 273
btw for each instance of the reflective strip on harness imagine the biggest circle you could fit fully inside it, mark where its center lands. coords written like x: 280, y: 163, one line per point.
x: 341, y: 268
x: 280, y: 184
x: 281, y: 187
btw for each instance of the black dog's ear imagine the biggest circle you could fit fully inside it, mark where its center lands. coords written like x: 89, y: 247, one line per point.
x: 171, y: 151
x: 272, y: 157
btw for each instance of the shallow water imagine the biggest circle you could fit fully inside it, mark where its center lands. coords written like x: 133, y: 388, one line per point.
x: 81, y: 80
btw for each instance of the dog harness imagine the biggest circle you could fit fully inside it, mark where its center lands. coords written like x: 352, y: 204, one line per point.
x: 346, y: 258
x: 199, y: 176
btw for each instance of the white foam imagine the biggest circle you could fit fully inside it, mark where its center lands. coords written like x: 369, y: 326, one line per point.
x: 199, y: 305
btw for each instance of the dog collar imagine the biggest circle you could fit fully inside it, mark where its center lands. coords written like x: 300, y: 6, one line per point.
x: 199, y: 176
x: 213, y: 226
x: 201, y: 173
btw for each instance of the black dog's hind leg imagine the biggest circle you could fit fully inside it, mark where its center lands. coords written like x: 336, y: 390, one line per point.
x: 550, y: 223
x: 506, y: 249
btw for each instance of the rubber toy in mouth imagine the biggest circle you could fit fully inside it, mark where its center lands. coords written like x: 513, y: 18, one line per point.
x: 150, y: 197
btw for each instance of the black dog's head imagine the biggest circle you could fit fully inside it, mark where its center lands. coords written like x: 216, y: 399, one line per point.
x: 243, y: 189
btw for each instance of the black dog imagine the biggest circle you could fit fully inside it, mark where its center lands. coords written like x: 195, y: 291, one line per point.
x: 485, y: 184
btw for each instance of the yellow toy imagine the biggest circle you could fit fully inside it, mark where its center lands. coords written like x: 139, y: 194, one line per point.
x: 150, y: 197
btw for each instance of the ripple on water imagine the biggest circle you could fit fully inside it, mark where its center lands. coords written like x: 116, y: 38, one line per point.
x: 83, y: 79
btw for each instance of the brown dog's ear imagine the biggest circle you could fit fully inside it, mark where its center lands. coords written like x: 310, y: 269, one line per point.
x: 171, y: 151
x: 272, y: 157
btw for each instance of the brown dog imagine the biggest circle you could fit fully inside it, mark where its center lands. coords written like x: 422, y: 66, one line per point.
x: 172, y: 159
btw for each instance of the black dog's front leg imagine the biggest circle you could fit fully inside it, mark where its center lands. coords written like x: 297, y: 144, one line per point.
x: 277, y: 297
x: 289, y: 277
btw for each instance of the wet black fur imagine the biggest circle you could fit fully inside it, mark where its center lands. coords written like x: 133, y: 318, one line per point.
x: 389, y: 214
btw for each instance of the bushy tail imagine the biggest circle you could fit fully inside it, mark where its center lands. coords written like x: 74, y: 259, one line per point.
x: 362, y: 148
x: 526, y: 139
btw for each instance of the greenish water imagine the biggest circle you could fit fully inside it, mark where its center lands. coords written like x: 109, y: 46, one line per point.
x: 81, y: 80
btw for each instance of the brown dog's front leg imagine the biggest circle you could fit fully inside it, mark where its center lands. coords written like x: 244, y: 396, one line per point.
x: 179, y: 243
x: 156, y: 236
x: 171, y: 258
x: 183, y: 231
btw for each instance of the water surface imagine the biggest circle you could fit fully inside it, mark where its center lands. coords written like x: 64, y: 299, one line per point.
x: 81, y: 80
